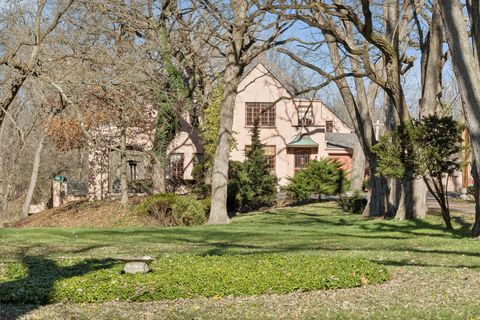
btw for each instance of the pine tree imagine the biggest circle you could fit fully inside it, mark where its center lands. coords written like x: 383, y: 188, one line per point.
x: 257, y: 185
x: 319, y: 177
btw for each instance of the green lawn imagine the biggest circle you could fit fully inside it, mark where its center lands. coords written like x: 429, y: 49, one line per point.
x: 435, y: 273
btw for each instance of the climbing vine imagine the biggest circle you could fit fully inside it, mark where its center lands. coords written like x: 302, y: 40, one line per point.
x: 171, y: 100
x: 211, y: 125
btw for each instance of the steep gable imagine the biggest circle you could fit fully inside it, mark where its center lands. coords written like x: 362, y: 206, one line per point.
x: 288, y: 84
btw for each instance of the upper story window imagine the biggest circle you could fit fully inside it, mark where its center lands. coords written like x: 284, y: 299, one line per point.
x: 329, y: 126
x: 305, y: 115
x: 263, y: 111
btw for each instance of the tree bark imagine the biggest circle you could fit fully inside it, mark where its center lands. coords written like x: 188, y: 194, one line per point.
x: 431, y: 79
x: 33, y: 179
x: 476, y: 185
x: 123, y: 167
x: 218, y: 211
x: 377, y: 192
x: 358, y: 167
x: 232, y: 77
x: 159, y: 185
x: 359, y: 112
x: 467, y: 71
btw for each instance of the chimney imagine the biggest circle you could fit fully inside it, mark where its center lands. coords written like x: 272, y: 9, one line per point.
x: 261, y: 57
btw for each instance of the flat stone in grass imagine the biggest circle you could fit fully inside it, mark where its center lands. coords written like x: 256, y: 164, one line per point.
x: 137, y: 264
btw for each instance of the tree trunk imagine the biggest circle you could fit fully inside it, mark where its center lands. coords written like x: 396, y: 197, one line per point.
x: 8, y: 186
x: 476, y: 185
x: 394, y: 194
x: 33, y: 179
x: 412, y: 203
x: 218, y: 211
x: 431, y: 78
x: 159, y: 185
x: 232, y: 76
x: 358, y: 167
x: 467, y: 71
x: 123, y: 167
x: 419, y: 195
x: 377, y: 188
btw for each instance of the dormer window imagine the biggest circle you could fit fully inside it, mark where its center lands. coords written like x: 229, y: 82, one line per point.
x: 329, y: 126
x: 305, y: 115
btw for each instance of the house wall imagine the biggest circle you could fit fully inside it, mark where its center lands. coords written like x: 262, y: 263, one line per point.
x: 260, y: 86
x: 188, y: 143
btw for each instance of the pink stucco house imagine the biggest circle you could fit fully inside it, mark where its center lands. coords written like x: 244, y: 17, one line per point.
x: 294, y: 131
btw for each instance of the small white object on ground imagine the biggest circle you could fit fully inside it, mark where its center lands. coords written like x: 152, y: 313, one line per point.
x: 137, y: 264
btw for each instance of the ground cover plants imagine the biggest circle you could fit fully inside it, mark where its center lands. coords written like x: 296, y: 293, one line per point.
x: 434, y: 274
x: 36, y: 280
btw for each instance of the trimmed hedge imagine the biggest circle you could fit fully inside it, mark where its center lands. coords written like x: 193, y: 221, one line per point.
x: 170, y: 209
x: 41, y: 281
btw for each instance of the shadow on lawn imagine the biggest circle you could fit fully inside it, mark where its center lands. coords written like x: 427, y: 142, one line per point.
x: 20, y: 296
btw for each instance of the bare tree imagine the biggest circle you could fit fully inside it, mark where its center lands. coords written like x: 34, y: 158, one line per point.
x: 466, y: 65
x: 24, y: 56
x: 360, y: 49
x: 237, y: 32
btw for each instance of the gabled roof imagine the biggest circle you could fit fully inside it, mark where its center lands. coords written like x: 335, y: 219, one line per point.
x: 343, y: 140
x: 289, y: 85
x: 275, y: 72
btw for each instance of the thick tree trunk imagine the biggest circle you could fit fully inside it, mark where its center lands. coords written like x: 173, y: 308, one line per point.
x: 359, y: 113
x: 419, y: 195
x: 377, y: 189
x: 159, y: 185
x: 467, y: 72
x: 123, y: 167
x: 393, y: 196
x: 218, y: 211
x: 476, y: 185
x: 232, y: 76
x: 412, y: 201
x: 8, y: 186
x: 358, y: 167
x: 431, y: 78
x: 33, y: 179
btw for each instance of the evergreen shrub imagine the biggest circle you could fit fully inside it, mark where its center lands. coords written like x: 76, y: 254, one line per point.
x: 170, y: 209
x: 257, y: 185
x: 319, y: 177
x: 355, y: 203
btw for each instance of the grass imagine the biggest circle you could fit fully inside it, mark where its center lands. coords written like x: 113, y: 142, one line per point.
x: 435, y: 272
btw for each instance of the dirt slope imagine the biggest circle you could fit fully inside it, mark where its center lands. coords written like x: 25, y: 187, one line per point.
x: 100, y: 214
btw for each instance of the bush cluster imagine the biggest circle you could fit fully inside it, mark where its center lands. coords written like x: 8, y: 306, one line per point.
x: 471, y: 191
x: 355, y: 203
x: 170, y: 209
x: 319, y: 177
x: 140, y: 186
x: 182, y: 276
x: 200, y: 188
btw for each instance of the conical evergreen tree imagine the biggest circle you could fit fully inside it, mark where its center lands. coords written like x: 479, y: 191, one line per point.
x: 257, y: 185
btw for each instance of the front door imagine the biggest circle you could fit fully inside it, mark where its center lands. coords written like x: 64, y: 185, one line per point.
x: 302, y: 157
